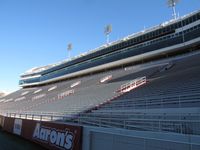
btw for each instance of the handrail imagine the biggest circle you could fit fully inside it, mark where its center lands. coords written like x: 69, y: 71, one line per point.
x: 156, y: 100
x: 180, y: 126
x: 170, y: 125
x: 107, y: 116
x: 132, y: 85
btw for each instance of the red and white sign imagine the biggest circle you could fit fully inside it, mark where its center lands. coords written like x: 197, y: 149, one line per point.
x: 59, y: 138
x: 51, y: 135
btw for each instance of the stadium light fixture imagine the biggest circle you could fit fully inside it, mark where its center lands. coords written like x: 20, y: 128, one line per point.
x: 172, y: 4
x: 69, y: 48
x: 107, y: 31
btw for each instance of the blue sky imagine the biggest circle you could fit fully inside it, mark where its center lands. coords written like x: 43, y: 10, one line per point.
x: 36, y: 32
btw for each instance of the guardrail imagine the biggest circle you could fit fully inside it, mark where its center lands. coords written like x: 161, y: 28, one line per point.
x: 144, y: 124
x: 148, y: 102
x: 132, y: 85
x: 159, y: 125
x: 41, y: 116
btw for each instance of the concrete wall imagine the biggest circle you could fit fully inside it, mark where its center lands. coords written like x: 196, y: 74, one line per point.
x: 117, y: 139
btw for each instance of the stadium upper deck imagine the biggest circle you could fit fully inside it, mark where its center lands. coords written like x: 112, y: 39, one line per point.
x: 168, y: 37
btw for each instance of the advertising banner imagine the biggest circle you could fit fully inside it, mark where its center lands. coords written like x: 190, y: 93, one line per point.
x: 51, y: 135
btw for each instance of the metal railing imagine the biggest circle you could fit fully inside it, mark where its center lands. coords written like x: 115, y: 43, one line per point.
x: 159, y: 125
x: 41, y: 116
x: 147, y: 102
x: 178, y: 124
x: 132, y: 84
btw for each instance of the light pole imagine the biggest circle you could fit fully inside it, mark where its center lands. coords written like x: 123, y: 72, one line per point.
x: 69, y: 48
x: 107, y: 31
x: 172, y: 4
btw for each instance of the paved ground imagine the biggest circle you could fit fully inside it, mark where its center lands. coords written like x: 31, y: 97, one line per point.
x: 12, y: 142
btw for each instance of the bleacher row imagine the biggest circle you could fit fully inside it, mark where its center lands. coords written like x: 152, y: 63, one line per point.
x: 89, y: 93
x: 168, y: 102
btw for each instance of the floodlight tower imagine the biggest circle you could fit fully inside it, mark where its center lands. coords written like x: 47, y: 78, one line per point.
x: 69, y: 48
x: 172, y: 4
x: 107, y: 31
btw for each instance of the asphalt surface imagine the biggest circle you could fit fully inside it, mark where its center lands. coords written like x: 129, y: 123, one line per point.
x: 12, y: 142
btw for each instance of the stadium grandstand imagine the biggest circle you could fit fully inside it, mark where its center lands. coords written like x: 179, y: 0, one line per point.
x: 140, y: 92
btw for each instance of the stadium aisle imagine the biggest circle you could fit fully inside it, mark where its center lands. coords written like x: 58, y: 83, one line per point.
x: 10, y: 142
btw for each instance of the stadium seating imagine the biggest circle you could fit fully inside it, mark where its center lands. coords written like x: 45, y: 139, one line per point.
x: 88, y: 94
x: 169, y: 101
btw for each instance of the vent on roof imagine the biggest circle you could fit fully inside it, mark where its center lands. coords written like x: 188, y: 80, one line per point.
x: 75, y: 84
x: 37, y: 91
x: 105, y: 79
x: 52, y: 88
x: 24, y: 93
